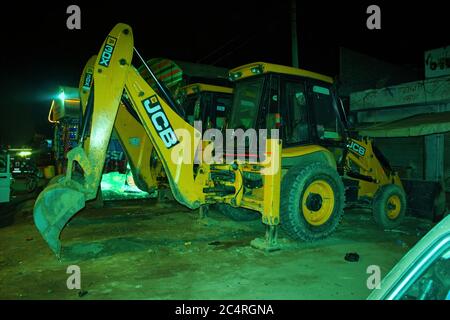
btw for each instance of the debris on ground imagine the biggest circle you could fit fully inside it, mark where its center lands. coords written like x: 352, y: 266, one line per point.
x: 352, y: 257
x: 82, y: 293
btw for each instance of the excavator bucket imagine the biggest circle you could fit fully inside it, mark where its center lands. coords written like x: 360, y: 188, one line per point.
x: 53, y: 209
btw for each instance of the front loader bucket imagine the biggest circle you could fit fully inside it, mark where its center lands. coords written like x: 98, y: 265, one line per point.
x: 53, y: 209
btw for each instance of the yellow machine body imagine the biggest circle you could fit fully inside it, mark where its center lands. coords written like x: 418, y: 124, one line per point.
x: 119, y: 97
x: 367, y: 164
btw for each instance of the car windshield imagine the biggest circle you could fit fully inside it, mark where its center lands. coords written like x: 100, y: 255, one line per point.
x: 247, y: 96
x: 434, y: 281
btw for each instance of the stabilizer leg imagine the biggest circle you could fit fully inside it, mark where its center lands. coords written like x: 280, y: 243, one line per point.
x: 270, y: 241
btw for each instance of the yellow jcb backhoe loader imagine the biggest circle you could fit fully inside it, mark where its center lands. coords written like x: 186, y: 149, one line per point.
x: 324, y: 163
x: 266, y: 97
x: 115, y: 80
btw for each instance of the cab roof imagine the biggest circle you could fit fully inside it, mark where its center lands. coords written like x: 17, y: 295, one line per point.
x: 202, y: 87
x: 255, y: 68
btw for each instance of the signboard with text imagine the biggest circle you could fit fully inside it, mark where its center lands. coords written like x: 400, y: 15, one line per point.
x: 437, y: 62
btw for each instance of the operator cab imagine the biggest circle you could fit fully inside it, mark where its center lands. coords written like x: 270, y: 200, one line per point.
x: 300, y: 103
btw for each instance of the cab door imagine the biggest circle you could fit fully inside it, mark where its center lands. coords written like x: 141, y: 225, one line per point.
x: 296, y: 128
x: 326, y: 121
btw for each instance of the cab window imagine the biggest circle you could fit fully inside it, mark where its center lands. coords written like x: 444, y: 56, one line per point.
x: 247, y: 96
x: 295, y: 122
x: 327, y: 123
x: 192, y: 104
x: 222, y: 104
x: 273, y: 117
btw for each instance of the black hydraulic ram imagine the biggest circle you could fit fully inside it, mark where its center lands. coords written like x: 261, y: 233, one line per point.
x: 356, y: 175
x: 87, y: 116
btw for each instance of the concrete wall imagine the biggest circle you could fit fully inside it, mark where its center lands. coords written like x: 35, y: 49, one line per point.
x: 391, y: 114
x: 425, y: 92
x: 406, y: 155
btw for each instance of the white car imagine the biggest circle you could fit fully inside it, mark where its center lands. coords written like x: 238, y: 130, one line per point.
x: 424, y: 272
x: 5, y: 177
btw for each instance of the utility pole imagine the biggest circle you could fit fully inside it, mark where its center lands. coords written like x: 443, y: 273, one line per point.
x: 294, y: 42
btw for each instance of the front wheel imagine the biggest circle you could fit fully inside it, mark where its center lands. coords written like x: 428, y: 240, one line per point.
x: 389, y: 206
x: 312, y: 201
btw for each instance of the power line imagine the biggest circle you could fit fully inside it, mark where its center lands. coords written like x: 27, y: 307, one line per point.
x: 234, y: 50
x: 250, y: 35
x: 218, y: 49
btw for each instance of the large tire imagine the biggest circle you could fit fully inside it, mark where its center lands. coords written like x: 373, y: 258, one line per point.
x: 312, y: 201
x: 389, y: 206
x: 237, y: 214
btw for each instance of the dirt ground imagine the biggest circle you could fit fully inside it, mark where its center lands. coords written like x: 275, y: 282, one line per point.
x: 148, y: 250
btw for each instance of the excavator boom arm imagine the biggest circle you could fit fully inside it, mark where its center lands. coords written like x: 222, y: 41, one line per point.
x: 114, y: 79
x: 132, y: 136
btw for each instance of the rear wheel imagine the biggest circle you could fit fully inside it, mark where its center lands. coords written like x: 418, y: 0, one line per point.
x: 237, y: 214
x: 312, y: 201
x: 389, y: 206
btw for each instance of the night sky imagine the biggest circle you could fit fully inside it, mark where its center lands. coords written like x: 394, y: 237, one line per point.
x: 38, y: 52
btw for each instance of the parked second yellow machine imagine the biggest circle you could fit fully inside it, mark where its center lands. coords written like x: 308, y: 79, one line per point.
x: 207, y: 103
x: 295, y: 179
